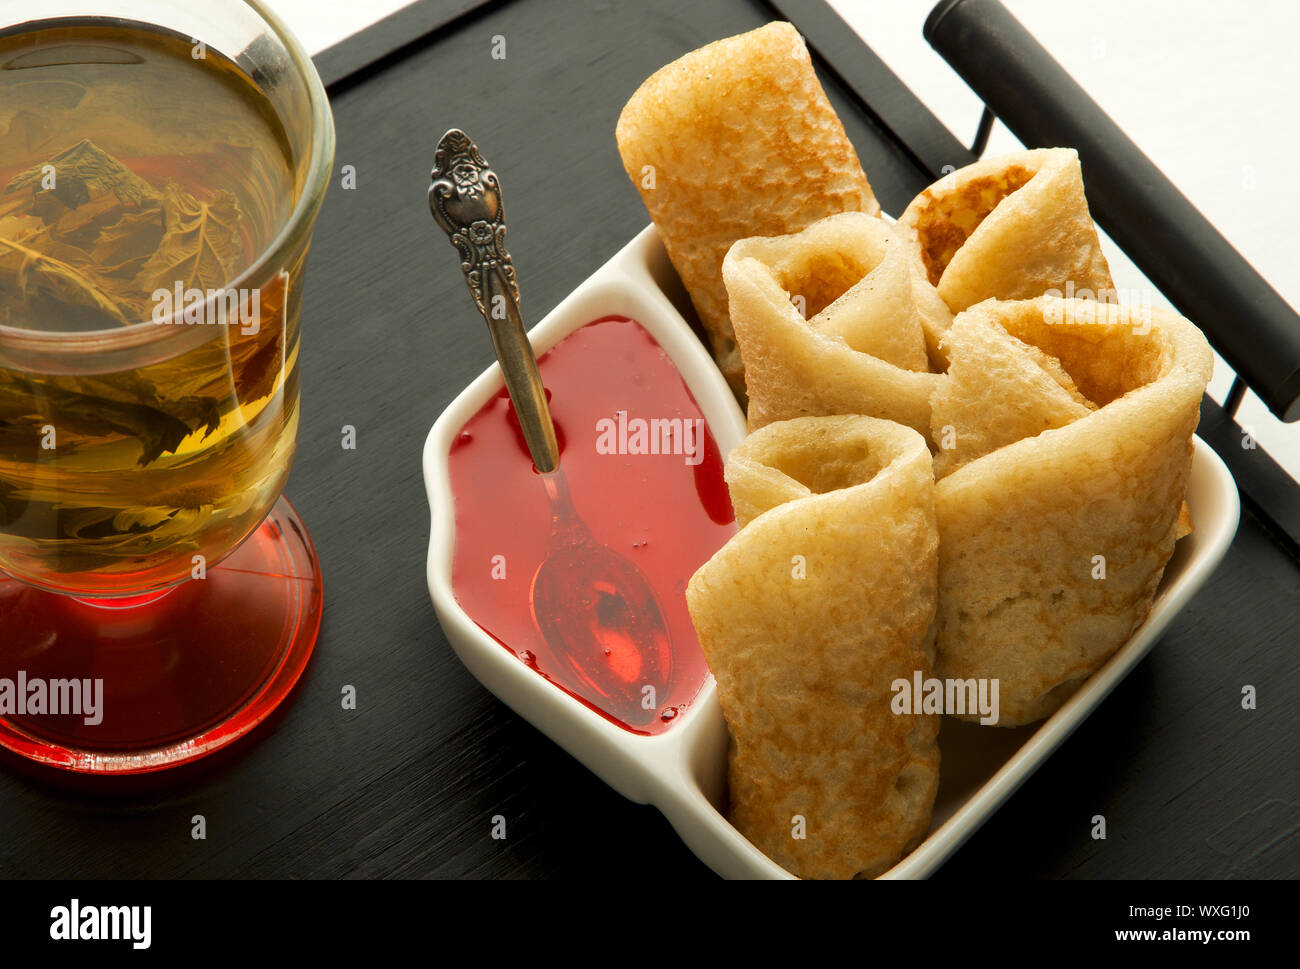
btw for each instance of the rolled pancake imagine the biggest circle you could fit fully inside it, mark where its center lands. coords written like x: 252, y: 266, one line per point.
x: 733, y: 140
x: 862, y: 351
x: 998, y: 390
x: 1013, y: 227
x: 1021, y: 527
x: 806, y: 617
x: 936, y: 316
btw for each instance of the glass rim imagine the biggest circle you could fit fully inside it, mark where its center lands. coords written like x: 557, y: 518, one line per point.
x: 149, y: 332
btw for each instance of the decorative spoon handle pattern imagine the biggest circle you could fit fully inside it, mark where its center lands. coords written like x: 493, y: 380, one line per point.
x: 465, y: 199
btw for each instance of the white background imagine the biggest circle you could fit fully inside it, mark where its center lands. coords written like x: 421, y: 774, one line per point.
x: 1207, y: 88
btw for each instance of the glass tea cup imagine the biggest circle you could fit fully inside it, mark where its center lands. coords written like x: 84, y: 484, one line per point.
x: 160, y: 174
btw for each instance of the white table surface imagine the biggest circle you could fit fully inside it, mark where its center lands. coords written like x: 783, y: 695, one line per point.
x: 1207, y: 88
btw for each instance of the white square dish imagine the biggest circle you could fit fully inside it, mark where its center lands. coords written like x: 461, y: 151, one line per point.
x: 683, y: 770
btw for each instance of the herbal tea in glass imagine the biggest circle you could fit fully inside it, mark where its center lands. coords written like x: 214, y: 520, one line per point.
x: 156, y: 201
x: 116, y: 208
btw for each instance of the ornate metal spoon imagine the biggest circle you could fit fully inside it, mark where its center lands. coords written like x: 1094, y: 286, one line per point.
x: 596, y: 611
x: 465, y: 199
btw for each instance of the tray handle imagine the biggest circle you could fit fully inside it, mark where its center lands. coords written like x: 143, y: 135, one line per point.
x: 1210, y: 283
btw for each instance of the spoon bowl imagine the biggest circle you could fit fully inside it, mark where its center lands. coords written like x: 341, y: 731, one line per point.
x: 600, y: 617
x: 603, y: 623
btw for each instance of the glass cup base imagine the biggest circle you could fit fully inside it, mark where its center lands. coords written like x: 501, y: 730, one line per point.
x: 114, y: 687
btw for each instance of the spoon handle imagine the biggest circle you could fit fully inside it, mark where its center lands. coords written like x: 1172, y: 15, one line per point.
x: 465, y: 199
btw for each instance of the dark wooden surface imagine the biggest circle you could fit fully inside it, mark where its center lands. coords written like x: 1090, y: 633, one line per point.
x: 406, y: 785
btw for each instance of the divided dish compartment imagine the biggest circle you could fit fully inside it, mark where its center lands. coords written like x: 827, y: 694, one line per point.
x: 683, y: 770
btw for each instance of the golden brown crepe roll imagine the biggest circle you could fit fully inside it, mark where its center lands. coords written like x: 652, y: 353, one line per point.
x: 1051, y: 547
x: 733, y: 140
x: 1013, y: 227
x: 862, y: 351
x: 998, y: 390
x: 806, y: 617
x: 936, y: 317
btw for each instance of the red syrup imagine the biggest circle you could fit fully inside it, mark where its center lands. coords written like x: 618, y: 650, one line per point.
x: 600, y: 633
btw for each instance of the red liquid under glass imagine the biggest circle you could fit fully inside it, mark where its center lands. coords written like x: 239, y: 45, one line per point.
x: 665, y: 513
x: 183, y: 672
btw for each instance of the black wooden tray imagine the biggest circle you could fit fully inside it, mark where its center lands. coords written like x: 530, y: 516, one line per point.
x: 408, y: 783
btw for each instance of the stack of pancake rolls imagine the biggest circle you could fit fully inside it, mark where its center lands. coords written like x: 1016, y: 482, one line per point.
x: 966, y: 459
